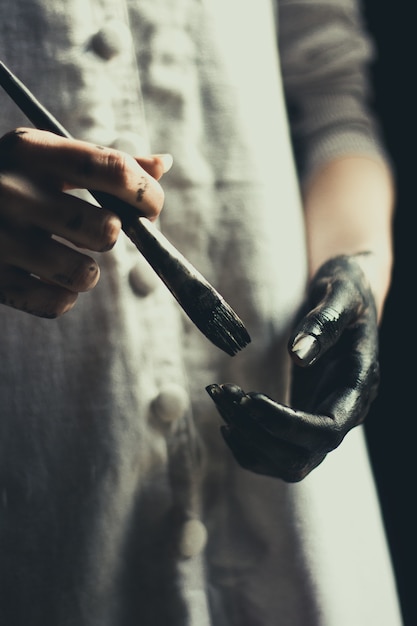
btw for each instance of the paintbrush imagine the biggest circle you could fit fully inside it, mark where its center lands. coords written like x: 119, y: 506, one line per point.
x: 201, y: 302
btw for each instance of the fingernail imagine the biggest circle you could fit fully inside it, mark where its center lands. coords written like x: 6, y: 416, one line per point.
x: 305, y: 347
x: 213, y: 390
x: 167, y: 161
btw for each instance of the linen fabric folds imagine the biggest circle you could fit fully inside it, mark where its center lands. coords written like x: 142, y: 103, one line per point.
x: 119, y: 502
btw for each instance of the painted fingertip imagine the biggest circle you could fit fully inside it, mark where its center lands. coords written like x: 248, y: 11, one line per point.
x: 305, y: 348
x: 213, y: 390
x: 233, y: 391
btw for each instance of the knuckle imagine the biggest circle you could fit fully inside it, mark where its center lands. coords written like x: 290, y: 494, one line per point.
x: 334, y: 435
x: 300, y: 470
x: 10, y: 144
x: 116, y: 166
x: 106, y: 162
x: 100, y: 234
x: 88, y: 165
x: 14, y: 138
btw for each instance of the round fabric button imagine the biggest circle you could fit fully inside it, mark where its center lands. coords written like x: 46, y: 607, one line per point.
x: 193, y: 538
x: 142, y: 278
x: 171, y: 403
x: 112, y: 39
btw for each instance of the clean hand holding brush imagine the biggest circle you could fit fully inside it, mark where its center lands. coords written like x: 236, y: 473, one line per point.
x: 204, y: 306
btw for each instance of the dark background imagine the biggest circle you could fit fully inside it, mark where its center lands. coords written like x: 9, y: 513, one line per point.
x: 391, y: 425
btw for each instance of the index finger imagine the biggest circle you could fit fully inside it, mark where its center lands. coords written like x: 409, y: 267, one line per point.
x: 65, y: 163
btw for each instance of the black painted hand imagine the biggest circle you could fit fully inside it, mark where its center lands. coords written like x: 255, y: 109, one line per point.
x: 336, y: 375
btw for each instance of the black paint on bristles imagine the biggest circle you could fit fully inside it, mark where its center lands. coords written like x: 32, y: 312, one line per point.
x: 200, y: 301
x: 206, y: 308
x: 228, y: 331
x: 217, y: 320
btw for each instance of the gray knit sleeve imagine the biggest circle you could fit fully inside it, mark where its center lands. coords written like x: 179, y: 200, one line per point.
x: 325, y: 54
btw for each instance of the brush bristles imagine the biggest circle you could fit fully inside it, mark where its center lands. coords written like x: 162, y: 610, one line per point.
x: 227, y: 331
x: 215, y: 318
x: 200, y: 301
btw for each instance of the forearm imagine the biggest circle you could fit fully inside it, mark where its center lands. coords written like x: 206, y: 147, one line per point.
x: 348, y: 210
